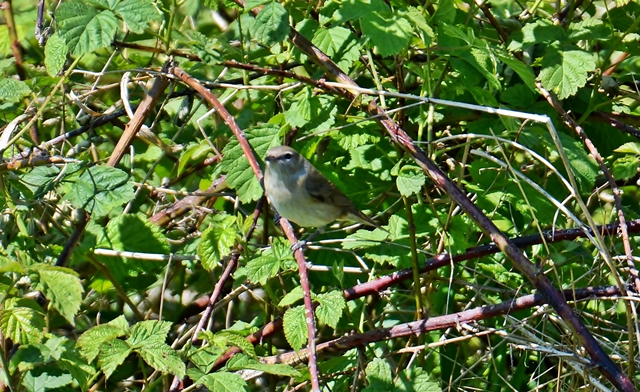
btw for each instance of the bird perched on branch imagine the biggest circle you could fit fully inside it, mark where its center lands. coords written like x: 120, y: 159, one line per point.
x: 303, y: 195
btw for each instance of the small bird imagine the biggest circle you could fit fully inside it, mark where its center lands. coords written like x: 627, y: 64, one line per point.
x: 301, y: 194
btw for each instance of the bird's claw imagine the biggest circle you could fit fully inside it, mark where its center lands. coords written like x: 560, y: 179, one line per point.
x: 276, y: 218
x: 298, y: 245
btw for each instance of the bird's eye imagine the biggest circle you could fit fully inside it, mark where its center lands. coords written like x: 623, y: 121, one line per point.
x: 288, y: 156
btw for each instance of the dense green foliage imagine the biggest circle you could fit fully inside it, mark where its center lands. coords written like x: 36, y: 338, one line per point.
x: 96, y: 319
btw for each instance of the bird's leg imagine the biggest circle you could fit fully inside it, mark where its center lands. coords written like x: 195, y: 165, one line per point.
x: 303, y: 243
x: 276, y: 218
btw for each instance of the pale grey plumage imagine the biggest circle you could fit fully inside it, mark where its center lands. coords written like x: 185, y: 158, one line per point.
x: 301, y: 194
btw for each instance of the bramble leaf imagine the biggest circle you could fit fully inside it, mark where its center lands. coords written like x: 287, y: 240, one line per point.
x: 295, y: 327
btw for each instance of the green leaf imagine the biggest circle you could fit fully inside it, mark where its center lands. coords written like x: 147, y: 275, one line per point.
x: 73, y: 363
x: 90, y: 341
x: 482, y: 60
x: 22, y: 324
x: 625, y: 167
x: 446, y: 12
x: 5, y: 41
x: 375, y: 245
x: 54, y: 347
x: 100, y: 189
x: 629, y: 148
x: 41, y: 179
x: 227, y: 338
x: 61, y: 286
x: 423, y: 383
x: 303, y: 108
x: 292, y: 297
x: 340, y: 44
x: 542, y: 31
x: 137, y: 14
x: 295, y: 327
x: 6, y: 64
x: 311, y: 112
x: 331, y: 306
x: 7, y: 264
x: 209, y: 50
x: 26, y: 358
x: 134, y: 233
x: 410, y: 180
x: 251, y: 4
x: 260, y: 269
x: 589, y: 29
x: 46, y: 378
x: 85, y: 28
x: 55, y: 54
x: 204, y: 358
x: 240, y: 176
x: 163, y: 358
x: 148, y: 332
x: 112, y: 354
x: 500, y: 273
x: 524, y: 71
x: 12, y: 90
x: 272, y: 24
x: 223, y: 382
x: 388, y: 32
x: 216, y: 242
x: 565, y: 71
x: 355, y: 9
x: 416, y: 17
x: 584, y: 166
x: 379, y: 376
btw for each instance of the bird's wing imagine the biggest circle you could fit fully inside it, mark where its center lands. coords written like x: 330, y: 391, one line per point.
x: 324, y: 191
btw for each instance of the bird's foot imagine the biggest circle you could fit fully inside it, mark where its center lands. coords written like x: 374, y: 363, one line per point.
x: 276, y: 219
x: 298, y: 245
x: 303, y: 243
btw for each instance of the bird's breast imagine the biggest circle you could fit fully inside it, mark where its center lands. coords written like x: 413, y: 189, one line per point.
x: 292, y: 201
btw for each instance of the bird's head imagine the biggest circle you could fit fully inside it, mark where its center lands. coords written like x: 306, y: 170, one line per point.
x: 284, y: 160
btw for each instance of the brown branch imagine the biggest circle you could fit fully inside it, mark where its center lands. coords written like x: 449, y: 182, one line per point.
x: 486, y: 10
x: 257, y: 70
x: 186, y: 204
x: 144, y: 109
x: 191, y: 170
x: 416, y: 328
x: 378, y: 285
x: 31, y: 158
x: 285, y: 74
x: 16, y: 48
x: 152, y: 49
x: 95, y: 122
x: 286, y: 226
x: 615, y: 64
x: 73, y: 240
x: 40, y: 34
x: 568, y: 9
x: 612, y: 119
